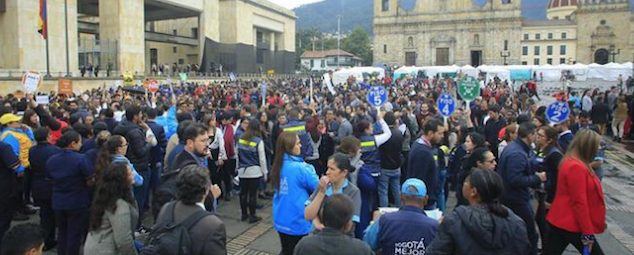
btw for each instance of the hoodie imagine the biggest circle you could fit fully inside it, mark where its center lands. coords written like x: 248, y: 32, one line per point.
x: 475, y: 230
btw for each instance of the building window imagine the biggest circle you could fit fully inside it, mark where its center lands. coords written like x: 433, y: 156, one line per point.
x: 476, y: 40
x: 524, y: 63
x: 562, y: 60
x: 525, y: 51
x: 385, y: 5
x: 525, y: 36
x: 506, y: 44
x: 538, y: 36
x: 536, y: 50
x: 175, y: 49
x: 195, y: 32
x: 384, y: 48
x: 564, y: 36
x: 550, y: 35
x: 312, y: 63
x: 549, y: 61
x: 259, y: 58
x: 549, y: 50
x: 410, y: 42
x: 152, y: 26
x: 536, y: 61
x: 562, y: 50
x: 556, y: 17
x: 175, y: 32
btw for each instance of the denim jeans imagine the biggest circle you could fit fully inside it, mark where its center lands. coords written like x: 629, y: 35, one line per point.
x: 393, y: 179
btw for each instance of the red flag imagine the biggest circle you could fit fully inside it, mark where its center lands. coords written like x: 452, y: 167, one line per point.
x: 41, y: 23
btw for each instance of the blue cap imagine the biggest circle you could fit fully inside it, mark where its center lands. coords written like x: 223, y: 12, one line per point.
x: 421, y: 188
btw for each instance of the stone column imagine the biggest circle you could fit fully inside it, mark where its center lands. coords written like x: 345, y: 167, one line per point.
x: 209, y: 28
x: 123, y: 21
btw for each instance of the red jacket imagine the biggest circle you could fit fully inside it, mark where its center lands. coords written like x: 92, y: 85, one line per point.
x: 578, y: 206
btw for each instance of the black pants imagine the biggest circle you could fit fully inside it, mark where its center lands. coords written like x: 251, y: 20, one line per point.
x: 225, y: 174
x: 525, y: 211
x: 288, y: 243
x: 540, y: 217
x: 558, y: 240
x: 249, y: 195
x: 47, y: 220
x: 72, y: 227
x: 7, y: 207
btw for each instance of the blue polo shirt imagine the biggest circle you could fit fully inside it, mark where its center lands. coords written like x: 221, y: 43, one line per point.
x: 69, y: 171
x: 347, y: 189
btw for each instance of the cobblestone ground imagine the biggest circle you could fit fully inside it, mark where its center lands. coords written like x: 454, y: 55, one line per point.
x: 618, y: 184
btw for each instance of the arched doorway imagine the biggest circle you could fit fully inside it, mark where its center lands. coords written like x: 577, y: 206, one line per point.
x: 601, y: 56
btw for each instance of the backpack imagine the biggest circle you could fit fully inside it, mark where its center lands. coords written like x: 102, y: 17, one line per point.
x: 169, y: 238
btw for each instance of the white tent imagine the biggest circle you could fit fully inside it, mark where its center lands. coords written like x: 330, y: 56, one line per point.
x: 470, y: 71
x: 615, y: 70
x: 432, y: 71
x: 408, y: 70
x: 580, y: 71
x: 548, y: 72
x: 495, y: 71
x: 596, y: 71
x: 341, y: 76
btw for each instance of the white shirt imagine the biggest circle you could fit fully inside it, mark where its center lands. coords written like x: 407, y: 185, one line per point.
x: 219, y: 143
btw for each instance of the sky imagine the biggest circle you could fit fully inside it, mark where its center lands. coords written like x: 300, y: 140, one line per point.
x: 290, y: 4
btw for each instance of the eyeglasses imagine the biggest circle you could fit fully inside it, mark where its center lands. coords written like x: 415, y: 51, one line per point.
x: 540, y: 135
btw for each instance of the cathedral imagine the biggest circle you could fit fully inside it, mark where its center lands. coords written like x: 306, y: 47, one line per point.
x: 448, y: 32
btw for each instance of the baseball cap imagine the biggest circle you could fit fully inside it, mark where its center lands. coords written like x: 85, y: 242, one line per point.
x: 421, y: 188
x: 9, y: 117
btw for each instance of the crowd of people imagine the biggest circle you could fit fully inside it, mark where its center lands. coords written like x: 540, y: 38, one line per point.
x: 105, y: 166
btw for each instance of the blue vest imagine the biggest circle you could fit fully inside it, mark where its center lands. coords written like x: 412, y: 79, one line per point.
x: 408, y: 231
x: 370, y: 154
x: 248, y: 152
x: 299, y: 128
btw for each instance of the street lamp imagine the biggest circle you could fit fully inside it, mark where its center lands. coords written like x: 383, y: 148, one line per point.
x: 614, y: 52
x: 505, y: 54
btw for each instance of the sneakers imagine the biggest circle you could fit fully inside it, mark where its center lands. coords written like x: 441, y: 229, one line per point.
x: 254, y: 219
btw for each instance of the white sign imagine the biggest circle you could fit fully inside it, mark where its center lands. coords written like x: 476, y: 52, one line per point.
x: 118, y: 83
x: 30, y: 81
x: 42, y: 99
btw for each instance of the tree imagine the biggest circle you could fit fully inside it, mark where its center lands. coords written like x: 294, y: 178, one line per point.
x: 358, y: 43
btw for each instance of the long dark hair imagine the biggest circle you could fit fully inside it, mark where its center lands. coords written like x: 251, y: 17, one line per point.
x: 490, y: 187
x: 106, y: 151
x: 112, y: 185
x: 478, y: 155
x: 253, y: 130
x: 285, y: 144
x: 553, y: 136
x: 27, y: 119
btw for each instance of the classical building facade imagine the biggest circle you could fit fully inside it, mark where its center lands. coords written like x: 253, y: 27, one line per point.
x: 132, y: 35
x: 460, y: 32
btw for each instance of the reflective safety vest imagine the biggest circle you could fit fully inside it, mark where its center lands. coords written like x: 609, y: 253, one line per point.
x: 370, y: 154
x: 248, y: 152
x: 25, y: 143
x: 299, y: 128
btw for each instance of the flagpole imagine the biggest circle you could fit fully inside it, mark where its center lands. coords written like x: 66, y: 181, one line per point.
x: 67, y: 53
x: 48, y: 63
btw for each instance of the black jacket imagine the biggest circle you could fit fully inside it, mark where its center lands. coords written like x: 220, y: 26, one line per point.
x: 157, y: 153
x: 138, y: 147
x: 391, y: 151
x: 331, y: 241
x: 475, y: 230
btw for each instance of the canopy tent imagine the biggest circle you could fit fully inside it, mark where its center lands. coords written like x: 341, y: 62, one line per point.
x: 406, y: 70
x: 519, y: 72
x: 470, y: 71
x: 450, y: 71
x: 579, y: 71
x: 610, y: 71
x: 548, y: 72
x: 360, y: 73
x: 495, y: 71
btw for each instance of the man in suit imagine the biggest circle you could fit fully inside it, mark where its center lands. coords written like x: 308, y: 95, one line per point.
x: 583, y: 123
x: 208, y: 235
x: 565, y: 135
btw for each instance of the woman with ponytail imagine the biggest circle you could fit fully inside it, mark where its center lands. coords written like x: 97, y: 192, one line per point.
x: 112, y: 151
x: 483, y: 227
x: 72, y: 176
